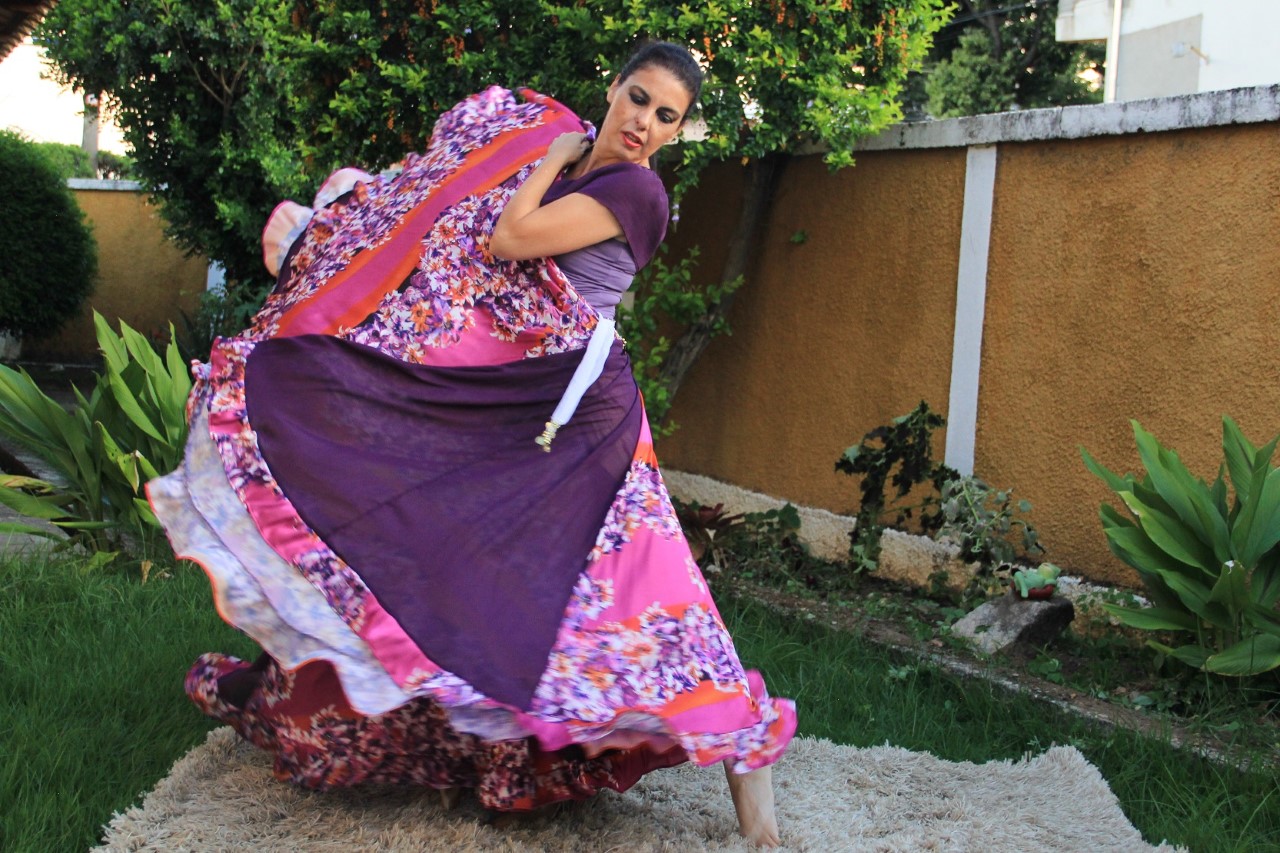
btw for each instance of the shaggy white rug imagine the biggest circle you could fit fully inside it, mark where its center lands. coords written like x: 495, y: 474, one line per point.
x: 221, y: 796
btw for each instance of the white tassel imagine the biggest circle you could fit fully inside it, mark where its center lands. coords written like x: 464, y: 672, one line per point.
x: 589, y: 370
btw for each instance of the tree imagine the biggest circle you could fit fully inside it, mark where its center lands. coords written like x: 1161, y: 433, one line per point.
x: 999, y: 55
x: 230, y: 105
x: 70, y: 161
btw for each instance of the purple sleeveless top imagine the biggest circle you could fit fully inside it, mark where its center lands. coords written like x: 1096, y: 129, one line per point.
x: 637, y: 199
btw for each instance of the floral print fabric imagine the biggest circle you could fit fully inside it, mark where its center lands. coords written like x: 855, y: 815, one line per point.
x: 643, y: 673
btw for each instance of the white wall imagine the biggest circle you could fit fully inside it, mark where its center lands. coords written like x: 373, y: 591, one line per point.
x: 41, y: 109
x: 1241, y: 39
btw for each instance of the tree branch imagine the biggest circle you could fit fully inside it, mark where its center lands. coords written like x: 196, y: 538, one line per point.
x: 761, y: 175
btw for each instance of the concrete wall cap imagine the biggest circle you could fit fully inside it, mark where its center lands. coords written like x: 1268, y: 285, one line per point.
x: 96, y: 184
x: 1248, y: 105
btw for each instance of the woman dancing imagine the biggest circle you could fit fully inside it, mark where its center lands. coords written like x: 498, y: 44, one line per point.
x: 423, y: 481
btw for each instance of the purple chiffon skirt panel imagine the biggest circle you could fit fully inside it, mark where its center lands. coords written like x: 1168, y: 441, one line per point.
x: 427, y: 480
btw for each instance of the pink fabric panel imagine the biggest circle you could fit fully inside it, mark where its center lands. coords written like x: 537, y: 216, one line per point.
x: 639, y: 585
x: 321, y: 315
x: 391, y: 645
x: 479, y: 347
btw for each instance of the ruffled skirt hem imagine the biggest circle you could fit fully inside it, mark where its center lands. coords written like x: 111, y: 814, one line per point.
x: 319, y: 742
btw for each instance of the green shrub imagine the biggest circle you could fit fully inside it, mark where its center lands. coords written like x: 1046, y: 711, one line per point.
x: 48, y: 259
x: 1210, y: 564
x: 220, y: 313
x: 130, y: 429
x: 978, y: 517
x: 71, y: 161
x: 116, y: 167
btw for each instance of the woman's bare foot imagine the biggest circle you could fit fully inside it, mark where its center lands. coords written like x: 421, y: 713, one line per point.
x: 753, y: 801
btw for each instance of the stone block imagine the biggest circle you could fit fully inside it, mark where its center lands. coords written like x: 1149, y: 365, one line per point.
x: 914, y: 560
x: 1009, y: 619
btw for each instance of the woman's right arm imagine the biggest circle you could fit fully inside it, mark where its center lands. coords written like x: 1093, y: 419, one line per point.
x: 528, y: 229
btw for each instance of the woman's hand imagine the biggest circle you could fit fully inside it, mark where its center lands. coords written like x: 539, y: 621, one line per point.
x: 526, y: 229
x: 568, y: 148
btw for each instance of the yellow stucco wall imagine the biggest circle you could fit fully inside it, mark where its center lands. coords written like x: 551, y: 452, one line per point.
x: 831, y: 337
x: 143, y: 278
x: 1129, y: 277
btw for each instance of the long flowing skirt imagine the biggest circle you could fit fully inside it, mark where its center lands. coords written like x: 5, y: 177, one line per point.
x: 440, y: 601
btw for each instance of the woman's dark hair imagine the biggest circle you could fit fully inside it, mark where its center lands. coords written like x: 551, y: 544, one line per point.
x: 673, y: 59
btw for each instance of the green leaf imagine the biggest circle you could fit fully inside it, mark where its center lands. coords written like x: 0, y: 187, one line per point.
x: 27, y: 484
x: 1188, y: 498
x: 1238, y: 452
x: 1114, y: 481
x: 1264, y: 582
x: 32, y: 414
x: 1250, y: 656
x: 1265, y: 619
x: 149, y: 471
x: 29, y: 530
x: 129, y: 405
x: 1171, y: 535
x: 1257, y: 528
x: 144, y: 512
x: 1149, y: 496
x: 178, y: 390
x: 125, y: 463
x: 144, y: 354
x: 1231, y: 590
x: 1262, y: 458
x: 1192, y: 655
x: 1195, y: 596
x: 99, y: 559
x: 850, y: 457
x: 1153, y: 618
x: 1218, y: 491
x: 84, y: 525
x: 113, y: 349
x: 46, y: 508
x: 1112, y: 517
x: 1176, y: 485
x: 1134, y: 547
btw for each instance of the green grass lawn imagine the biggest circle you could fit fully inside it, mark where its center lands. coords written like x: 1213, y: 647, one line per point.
x: 91, y: 669
x: 857, y: 693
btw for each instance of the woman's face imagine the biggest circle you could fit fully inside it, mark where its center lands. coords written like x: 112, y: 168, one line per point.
x: 645, y: 113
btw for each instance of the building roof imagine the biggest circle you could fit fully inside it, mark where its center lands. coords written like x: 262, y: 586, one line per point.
x: 17, y: 19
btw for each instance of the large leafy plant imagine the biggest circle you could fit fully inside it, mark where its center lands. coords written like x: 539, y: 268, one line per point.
x: 1209, y: 559
x: 131, y: 428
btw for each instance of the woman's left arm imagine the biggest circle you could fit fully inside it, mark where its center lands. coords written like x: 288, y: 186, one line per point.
x: 528, y: 229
